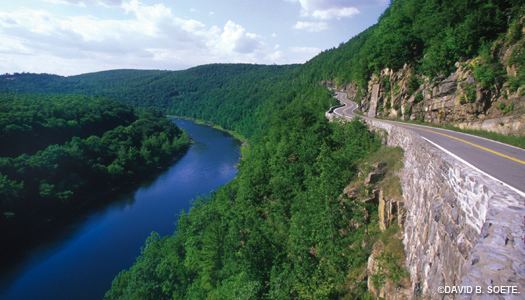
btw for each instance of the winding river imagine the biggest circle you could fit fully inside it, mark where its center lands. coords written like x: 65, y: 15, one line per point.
x: 82, y: 264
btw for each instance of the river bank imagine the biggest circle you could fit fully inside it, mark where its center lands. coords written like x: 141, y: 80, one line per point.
x: 83, y: 261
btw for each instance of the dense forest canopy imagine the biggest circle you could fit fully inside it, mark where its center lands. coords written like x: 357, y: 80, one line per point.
x: 280, y: 229
x: 71, y: 152
x: 254, y: 237
x: 30, y: 122
x: 225, y: 94
x: 431, y: 35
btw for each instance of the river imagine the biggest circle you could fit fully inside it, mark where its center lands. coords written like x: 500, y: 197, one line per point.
x: 82, y: 264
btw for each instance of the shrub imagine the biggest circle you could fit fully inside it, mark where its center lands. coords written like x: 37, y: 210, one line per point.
x: 386, y: 84
x: 506, y: 108
x: 469, y: 93
x: 396, y: 88
x: 413, y: 84
x: 514, y: 31
x: 488, y: 71
x: 518, y: 58
x: 419, y: 97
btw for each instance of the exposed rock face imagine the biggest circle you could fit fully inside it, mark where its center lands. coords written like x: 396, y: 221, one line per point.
x: 374, y: 98
x: 458, y: 99
x: 389, y: 289
x: 503, y: 125
x: 387, y: 211
x: 375, y: 175
x: 385, y: 273
x: 461, y: 227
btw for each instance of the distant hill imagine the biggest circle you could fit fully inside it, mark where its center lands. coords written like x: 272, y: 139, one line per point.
x: 282, y: 229
x: 220, y: 93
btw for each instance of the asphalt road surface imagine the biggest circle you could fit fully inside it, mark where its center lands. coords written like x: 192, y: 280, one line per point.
x: 500, y: 161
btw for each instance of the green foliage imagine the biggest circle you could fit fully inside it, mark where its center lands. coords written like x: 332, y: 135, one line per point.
x: 396, y: 88
x: 386, y: 85
x: 280, y: 229
x: 115, y: 148
x: 469, y: 93
x: 487, y: 70
x: 32, y: 122
x: 413, y: 84
x: 518, y: 60
x: 392, y: 258
x: 515, y: 31
x: 199, y: 92
x: 418, y: 98
x: 430, y: 35
x: 506, y: 108
x: 276, y: 230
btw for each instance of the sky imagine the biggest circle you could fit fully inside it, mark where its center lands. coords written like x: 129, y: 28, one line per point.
x: 69, y: 37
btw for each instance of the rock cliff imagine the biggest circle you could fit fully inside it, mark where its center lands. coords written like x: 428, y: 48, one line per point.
x: 378, y: 186
x: 483, y: 93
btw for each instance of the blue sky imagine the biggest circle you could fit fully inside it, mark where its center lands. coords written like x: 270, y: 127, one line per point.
x: 77, y: 36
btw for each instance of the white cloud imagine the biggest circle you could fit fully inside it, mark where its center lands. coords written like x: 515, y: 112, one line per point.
x: 335, y: 13
x: 311, y: 26
x: 329, y: 9
x: 84, y: 3
x: 235, y: 38
x: 145, y: 36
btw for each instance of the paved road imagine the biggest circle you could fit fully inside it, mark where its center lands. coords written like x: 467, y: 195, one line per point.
x: 501, y: 161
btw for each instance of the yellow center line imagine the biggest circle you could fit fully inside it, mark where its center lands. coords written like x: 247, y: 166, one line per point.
x: 477, y: 146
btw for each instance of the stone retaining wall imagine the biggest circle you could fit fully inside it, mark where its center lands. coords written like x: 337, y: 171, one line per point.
x: 461, y: 227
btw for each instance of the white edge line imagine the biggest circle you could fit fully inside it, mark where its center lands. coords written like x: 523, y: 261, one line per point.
x: 458, y: 132
x: 451, y: 131
x: 521, y: 193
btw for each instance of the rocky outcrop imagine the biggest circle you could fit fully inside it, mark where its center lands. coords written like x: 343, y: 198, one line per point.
x: 388, y: 211
x: 374, y: 99
x: 460, y: 227
x: 386, y: 276
x: 458, y: 100
x: 504, y: 125
x: 379, y: 286
x: 463, y: 99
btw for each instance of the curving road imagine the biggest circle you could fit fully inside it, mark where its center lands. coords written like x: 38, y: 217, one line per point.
x: 500, y: 161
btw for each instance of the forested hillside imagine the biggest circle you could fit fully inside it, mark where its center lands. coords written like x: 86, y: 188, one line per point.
x: 431, y: 35
x: 281, y: 229
x: 31, y: 122
x: 277, y: 230
x: 68, y: 153
x: 224, y: 94
x: 458, y: 64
